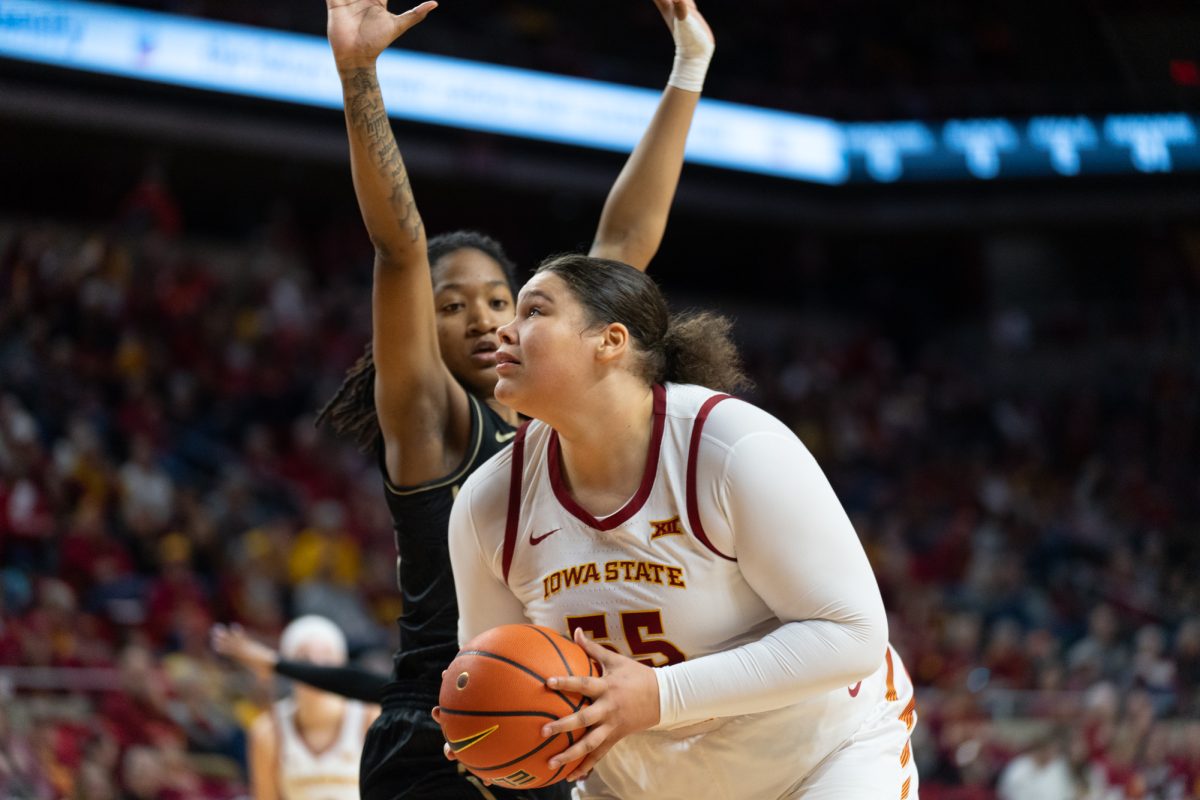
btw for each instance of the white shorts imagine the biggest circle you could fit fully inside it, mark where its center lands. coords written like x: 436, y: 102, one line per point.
x: 875, y: 764
x: 872, y: 760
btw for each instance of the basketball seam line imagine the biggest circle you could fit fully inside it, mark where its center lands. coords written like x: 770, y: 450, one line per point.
x: 466, y: 713
x: 526, y: 670
x: 562, y: 658
x: 553, y: 644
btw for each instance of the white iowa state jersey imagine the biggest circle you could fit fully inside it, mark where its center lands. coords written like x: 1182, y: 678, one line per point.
x: 645, y: 579
x: 331, y: 774
x: 662, y: 580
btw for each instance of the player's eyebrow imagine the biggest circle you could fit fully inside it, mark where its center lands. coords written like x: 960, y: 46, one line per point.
x: 536, y: 293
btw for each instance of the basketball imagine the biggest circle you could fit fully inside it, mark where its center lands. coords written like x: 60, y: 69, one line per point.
x: 494, y: 702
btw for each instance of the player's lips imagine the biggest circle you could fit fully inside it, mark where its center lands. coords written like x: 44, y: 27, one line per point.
x: 505, y: 362
x: 484, y: 353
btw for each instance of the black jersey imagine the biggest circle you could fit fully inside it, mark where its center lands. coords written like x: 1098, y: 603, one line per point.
x: 421, y: 517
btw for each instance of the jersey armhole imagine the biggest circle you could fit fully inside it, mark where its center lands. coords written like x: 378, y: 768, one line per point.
x: 513, y: 518
x: 476, y: 441
x: 693, y: 501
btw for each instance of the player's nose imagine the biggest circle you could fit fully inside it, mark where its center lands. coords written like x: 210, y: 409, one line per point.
x: 482, y: 319
x: 508, y: 332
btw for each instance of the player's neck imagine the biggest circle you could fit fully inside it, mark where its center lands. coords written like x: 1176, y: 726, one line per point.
x: 318, y: 710
x: 604, y: 444
x: 507, y: 414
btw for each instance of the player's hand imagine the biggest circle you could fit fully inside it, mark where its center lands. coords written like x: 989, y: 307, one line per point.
x: 672, y: 10
x: 624, y: 701
x: 233, y: 642
x: 437, y: 717
x: 447, y: 750
x: 359, y: 30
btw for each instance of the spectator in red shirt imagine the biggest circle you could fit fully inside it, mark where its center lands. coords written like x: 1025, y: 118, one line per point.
x: 175, y: 592
x: 138, y: 713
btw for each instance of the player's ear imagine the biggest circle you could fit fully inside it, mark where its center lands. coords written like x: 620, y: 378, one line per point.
x: 614, y: 341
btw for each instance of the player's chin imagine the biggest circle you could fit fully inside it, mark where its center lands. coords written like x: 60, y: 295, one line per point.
x: 506, y: 390
x: 510, y: 392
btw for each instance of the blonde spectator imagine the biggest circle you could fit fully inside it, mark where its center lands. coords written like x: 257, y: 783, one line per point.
x: 307, y: 746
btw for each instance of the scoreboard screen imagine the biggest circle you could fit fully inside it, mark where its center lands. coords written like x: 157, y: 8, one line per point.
x: 297, y: 68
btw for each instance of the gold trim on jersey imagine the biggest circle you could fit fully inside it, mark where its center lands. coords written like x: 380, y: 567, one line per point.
x: 666, y: 527
x: 618, y: 571
x: 463, y: 468
x: 634, y: 571
x: 644, y: 632
x: 570, y: 577
x: 635, y: 622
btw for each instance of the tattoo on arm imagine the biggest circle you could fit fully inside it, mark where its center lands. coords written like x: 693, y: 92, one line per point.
x: 369, y: 123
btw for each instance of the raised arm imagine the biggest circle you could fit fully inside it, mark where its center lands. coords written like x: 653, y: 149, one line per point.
x: 635, y: 213
x: 415, y: 394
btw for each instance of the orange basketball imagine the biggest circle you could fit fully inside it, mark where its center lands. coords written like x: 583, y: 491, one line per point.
x: 494, y: 702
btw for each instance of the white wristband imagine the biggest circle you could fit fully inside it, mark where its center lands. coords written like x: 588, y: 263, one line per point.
x: 693, y: 50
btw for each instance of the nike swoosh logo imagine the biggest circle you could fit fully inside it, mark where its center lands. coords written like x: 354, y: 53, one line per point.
x: 535, y: 540
x: 458, y: 745
x: 855, y: 689
x: 505, y: 437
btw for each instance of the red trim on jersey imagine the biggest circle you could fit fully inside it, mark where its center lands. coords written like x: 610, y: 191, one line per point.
x: 639, y: 499
x: 693, y: 504
x: 514, y: 497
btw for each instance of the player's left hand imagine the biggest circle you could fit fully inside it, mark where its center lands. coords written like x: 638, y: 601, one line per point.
x: 624, y: 701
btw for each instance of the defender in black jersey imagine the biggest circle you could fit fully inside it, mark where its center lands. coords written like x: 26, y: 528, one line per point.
x: 420, y: 515
x: 421, y: 397
x: 405, y: 740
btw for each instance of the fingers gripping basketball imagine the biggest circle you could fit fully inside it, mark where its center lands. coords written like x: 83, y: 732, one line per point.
x: 494, y: 702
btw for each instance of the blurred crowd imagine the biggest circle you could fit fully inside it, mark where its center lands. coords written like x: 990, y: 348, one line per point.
x: 854, y: 60
x: 1031, y: 513
x: 1029, y: 495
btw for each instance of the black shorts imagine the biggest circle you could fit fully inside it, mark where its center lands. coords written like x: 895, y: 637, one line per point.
x: 402, y: 756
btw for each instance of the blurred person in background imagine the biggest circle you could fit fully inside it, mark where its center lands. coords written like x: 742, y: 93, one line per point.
x: 1187, y: 665
x: 138, y: 712
x: 1099, y: 655
x: 94, y: 783
x: 21, y: 773
x: 307, y: 746
x: 1042, y: 773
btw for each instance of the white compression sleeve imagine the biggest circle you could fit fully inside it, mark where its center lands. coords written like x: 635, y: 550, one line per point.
x: 484, y: 600
x: 693, y: 51
x: 798, y: 550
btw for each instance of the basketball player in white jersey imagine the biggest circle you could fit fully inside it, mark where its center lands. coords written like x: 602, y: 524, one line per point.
x: 307, y: 747
x: 696, y: 542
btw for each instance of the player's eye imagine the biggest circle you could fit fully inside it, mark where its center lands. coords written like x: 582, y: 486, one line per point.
x: 450, y: 308
x: 499, y: 304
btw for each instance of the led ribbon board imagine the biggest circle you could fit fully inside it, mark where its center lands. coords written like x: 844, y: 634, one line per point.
x: 987, y: 149
x: 297, y: 68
